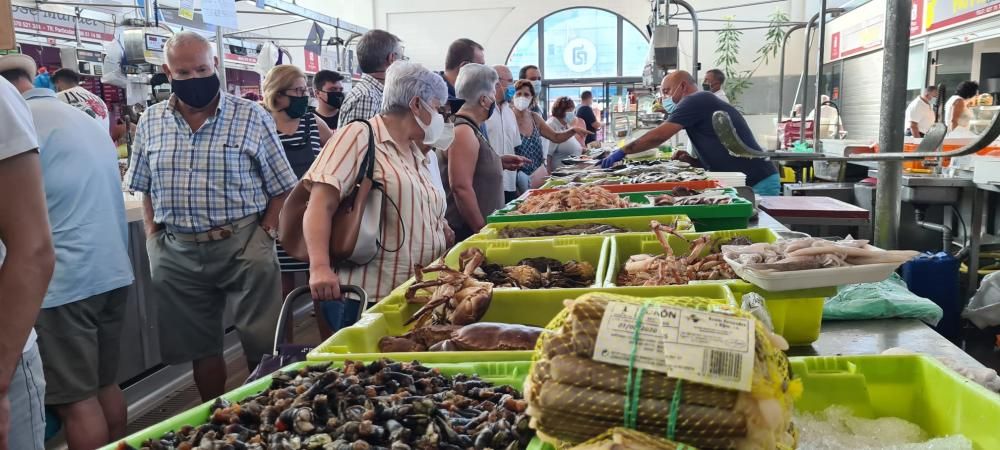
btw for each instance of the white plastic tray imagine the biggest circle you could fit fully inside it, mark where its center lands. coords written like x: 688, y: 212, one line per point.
x: 815, y: 278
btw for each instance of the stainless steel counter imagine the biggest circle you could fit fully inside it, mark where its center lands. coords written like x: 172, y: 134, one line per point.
x: 872, y: 337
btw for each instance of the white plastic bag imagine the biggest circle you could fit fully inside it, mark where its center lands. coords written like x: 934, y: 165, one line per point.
x: 984, y: 309
x: 114, y: 53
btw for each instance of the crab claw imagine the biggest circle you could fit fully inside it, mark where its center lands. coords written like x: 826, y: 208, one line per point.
x: 698, y: 245
x: 470, y: 260
x: 472, y: 304
x: 659, y: 229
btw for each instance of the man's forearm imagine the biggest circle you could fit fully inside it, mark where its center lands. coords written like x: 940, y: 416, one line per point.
x: 24, y: 277
x: 914, y: 130
x: 651, y: 139
x: 274, y: 205
x: 147, y: 215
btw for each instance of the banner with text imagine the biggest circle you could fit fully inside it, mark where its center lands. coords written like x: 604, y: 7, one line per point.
x: 940, y: 14
x: 48, y: 23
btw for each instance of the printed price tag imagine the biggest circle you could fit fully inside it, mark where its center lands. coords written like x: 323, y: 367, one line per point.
x: 614, y: 339
x: 706, y: 347
x: 711, y: 348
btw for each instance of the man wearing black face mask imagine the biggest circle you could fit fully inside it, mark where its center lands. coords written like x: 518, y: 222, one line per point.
x: 330, y: 93
x: 714, y: 80
x: 215, y: 177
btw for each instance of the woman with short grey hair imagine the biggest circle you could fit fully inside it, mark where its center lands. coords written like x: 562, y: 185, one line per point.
x: 472, y: 172
x: 412, y: 227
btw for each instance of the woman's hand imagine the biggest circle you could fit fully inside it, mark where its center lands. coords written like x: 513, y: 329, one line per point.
x: 513, y: 162
x: 324, y: 283
x: 582, y: 131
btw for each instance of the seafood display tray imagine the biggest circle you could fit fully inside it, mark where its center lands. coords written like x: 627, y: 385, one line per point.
x: 508, y: 252
x: 815, y: 278
x: 499, y: 373
x: 915, y: 388
x: 796, y: 315
x: 632, y: 224
x: 534, y: 307
x: 624, y: 246
x: 643, y: 187
x: 735, y: 215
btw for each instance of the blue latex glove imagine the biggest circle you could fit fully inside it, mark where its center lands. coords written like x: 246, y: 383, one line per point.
x: 613, y: 159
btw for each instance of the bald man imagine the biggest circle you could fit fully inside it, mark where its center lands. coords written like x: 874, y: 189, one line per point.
x: 501, y: 128
x: 693, y: 114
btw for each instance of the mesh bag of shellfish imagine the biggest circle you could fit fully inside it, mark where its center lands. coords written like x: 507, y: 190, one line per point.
x: 624, y: 438
x: 686, y: 369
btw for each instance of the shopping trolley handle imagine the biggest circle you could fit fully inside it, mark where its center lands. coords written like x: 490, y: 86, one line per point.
x: 304, y: 293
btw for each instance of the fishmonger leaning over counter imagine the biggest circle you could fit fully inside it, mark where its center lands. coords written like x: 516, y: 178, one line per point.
x: 693, y: 113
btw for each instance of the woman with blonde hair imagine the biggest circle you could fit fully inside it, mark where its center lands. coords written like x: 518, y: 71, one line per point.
x: 286, y: 96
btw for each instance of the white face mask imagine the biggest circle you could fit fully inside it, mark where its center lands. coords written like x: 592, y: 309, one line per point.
x: 537, y: 84
x: 521, y: 103
x: 444, y: 141
x: 433, y: 130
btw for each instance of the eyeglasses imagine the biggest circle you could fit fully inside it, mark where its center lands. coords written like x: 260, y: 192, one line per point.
x: 298, y: 92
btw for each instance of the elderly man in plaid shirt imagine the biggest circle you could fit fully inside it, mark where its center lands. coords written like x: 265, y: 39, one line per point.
x: 215, y: 178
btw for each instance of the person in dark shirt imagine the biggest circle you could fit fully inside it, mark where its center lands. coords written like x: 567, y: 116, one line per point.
x: 330, y: 93
x: 586, y: 113
x: 693, y: 114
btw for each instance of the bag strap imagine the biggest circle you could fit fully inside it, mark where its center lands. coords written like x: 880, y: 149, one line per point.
x: 367, y: 169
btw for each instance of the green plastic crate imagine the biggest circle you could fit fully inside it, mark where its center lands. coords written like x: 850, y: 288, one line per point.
x: 624, y: 246
x: 528, y: 307
x: 796, y: 315
x: 915, y: 388
x: 636, y: 224
x: 705, y: 217
x: 508, y: 252
x: 500, y: 373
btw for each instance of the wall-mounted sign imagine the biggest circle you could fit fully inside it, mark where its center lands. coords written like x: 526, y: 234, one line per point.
x: 48, y: 23
x: 240, y: 54
x: 916, y: 17
x: 940, y: 14
x: 580, y: 55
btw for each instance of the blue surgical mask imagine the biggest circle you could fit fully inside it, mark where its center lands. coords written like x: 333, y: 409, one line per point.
x: 509, y: 93
x: 669, y: 105
x: 569, y: 117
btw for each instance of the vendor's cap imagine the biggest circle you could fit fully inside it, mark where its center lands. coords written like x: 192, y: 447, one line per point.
x: 23, y: 62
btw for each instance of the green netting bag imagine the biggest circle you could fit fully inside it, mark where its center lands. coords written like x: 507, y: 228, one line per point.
x: 572, y: 398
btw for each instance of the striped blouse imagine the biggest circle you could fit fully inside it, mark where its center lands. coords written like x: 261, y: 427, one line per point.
x: 307, y: 127
x: 417, y: 229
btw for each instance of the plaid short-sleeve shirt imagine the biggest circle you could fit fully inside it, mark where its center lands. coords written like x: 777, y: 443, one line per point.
x: 364, y: 101
x: 228, y: 169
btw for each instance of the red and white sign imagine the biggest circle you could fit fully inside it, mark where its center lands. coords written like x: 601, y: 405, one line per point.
x: 312, y: 61
x: 916, y: 17
x: 49, y: 23
x: 947, y: 13
x: 835, y: 46
x: 865, y: 35
x: 241, y: 58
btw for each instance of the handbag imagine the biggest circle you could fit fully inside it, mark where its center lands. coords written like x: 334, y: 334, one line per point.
x: 356, y: 225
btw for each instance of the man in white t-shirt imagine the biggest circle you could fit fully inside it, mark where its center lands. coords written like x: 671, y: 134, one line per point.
x: 68, y: 87
x: 25, y: 274
x: 501, y: 128
x: 920, y: 114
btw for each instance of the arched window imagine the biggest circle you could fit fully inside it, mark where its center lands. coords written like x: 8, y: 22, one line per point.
x: 581, y: 43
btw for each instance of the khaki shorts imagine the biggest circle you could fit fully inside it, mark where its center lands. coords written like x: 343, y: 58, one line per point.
x: 80, y: 343
x: 194, y: 282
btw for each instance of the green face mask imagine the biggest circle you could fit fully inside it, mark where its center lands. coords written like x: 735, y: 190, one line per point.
x: 297, y: 106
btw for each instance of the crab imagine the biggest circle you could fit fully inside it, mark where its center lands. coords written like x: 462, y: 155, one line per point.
x: 417, y: 340
x: 484, y: 336
x: 668, y: 268
x: 458, y: 298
